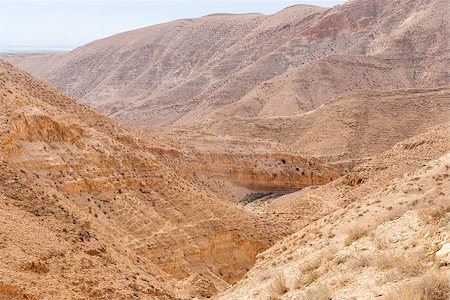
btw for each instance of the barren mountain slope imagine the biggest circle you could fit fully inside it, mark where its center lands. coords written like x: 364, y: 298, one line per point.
x: 351, y: 126
x: 160, y: 69
x: 405, y: 46
x: 385, y: 232
x: 254, y: 65
x: 78, y: 192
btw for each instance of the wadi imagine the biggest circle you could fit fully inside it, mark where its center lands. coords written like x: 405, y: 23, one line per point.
x: 299, y: 155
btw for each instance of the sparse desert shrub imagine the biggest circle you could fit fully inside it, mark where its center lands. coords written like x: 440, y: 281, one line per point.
x: 380, y: 241
x: 340, y: 260
x: 278, y: 286
x: 306, y: 278
x: 383, y: 261
x: 309, y: 271
x: 35, y: 266
x: 329, y: 253
x: 431, y: 286
x: 320, y: 292
x: 361, y: 261
x: 311, y: 265
x: 310, y: 277
x: 355, y: 233
x: 435, y: 214
x: 409, y: 265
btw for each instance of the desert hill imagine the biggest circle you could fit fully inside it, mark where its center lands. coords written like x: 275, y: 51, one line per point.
x: 223, y: 66
x: 393, y: 44
x: 79, y: 192
x: 381, y: 231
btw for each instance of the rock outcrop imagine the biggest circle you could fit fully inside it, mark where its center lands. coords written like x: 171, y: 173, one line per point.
x: 235, y: 167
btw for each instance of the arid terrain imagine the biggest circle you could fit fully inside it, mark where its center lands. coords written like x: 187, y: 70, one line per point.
x: 93, y: 197
x: 300, y: 155
x: 254, y: 65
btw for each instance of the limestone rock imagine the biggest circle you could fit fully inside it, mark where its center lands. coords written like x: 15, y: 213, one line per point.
x: 443, y: 254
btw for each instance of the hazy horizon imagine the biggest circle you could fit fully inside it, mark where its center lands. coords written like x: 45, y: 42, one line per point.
x: 53, y: 26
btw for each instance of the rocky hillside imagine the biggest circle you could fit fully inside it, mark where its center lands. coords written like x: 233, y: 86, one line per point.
x: 301, y: 155
x: 222, y: 66
x: 78, y: 192
x: 352, y: 126
x: 381, y: 231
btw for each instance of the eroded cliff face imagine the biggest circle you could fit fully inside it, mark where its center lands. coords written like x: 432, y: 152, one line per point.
x: 384, y: 235
x: 117, y: 193
x: 266, y: 172
x: 235, y: 167
x: 270, y: 172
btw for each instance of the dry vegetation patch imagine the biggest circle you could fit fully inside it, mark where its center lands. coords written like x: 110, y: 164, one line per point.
x: 409, y: 265
x: 278, y: 286
x: 311, y: 270
x: 320, y: 292
x: 434, y: 214
x: 355, y: 233
x: 362, y: 260
x: 431, y: 286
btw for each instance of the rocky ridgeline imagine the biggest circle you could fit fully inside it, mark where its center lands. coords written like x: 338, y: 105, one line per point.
x: 223, y: 66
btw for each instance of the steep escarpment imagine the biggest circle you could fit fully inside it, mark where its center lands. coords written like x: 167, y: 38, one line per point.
x: 107, y: 206
x: 236, y: 167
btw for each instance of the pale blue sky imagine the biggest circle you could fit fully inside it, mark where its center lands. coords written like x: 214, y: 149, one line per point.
x: 30, y: 25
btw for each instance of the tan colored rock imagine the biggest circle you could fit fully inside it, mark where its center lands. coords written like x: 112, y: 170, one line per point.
x: 352, y: 126
x: 443, y: 255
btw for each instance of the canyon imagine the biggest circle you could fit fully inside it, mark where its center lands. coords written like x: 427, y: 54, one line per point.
x: 107, y: 206
x: 300, y: 155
